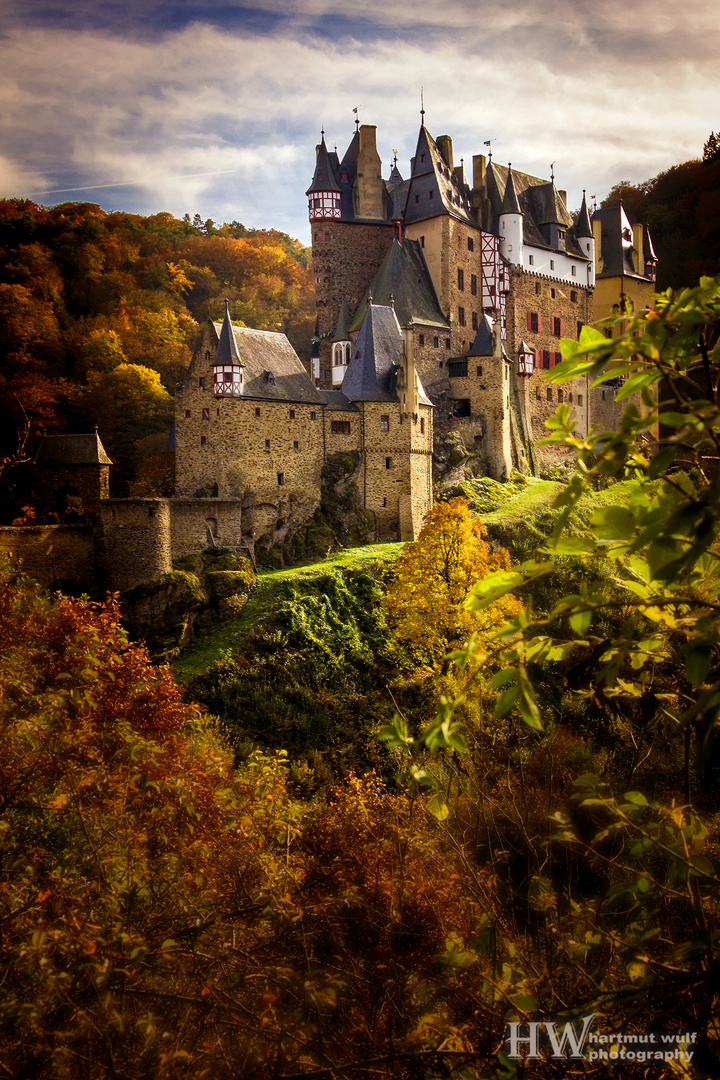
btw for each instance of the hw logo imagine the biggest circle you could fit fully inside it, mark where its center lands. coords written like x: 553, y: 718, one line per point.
x: 568, y: 1039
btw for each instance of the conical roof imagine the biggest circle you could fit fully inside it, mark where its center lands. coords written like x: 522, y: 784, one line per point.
x: 551, y: 210
x: 583, y: 226
x: 372, y: 372
x: 226, y: 354
x: 341, y: 330
x: 324, y: 175
x: 403, y: 276
x: 434, y: 188
x: 510, y: 204
x: 484, y: 343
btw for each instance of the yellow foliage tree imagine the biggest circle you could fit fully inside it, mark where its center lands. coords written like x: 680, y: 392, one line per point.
x: 433, y: 577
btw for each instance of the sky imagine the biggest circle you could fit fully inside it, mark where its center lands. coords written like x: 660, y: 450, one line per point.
x: 211, y: 107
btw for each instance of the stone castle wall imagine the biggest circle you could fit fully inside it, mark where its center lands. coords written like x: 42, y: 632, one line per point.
x: 53, y: 554
x: 134, y: 542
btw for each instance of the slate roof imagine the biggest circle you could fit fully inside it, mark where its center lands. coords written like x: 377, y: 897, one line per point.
x: 582, y: 225
x: 342, y: 332
x: 616, y: 244
x: 372, y: 372
x: 540, y: 204
x: 226, y: 353
x: 376, y: 359
x: 483, y: 345
x: 72, y: 450
x: 510, y: 203
x: 272, y: 370
x: 324, y: 178
x: 335, y: 401
x: 436, y: 186
x: 403, y: 275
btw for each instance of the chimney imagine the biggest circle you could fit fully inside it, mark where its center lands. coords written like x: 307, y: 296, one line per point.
x: 444, y: 145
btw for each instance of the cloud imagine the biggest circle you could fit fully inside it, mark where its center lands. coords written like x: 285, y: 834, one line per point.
x: 224, y: 121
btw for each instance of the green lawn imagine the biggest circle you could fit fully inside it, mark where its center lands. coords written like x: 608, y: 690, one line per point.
x: 538, y: 495
x: 205, y: 649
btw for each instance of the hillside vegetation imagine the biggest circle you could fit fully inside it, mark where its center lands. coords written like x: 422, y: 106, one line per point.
x: 99, y: 313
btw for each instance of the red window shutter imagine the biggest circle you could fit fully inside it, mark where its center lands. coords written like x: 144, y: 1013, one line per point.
x: 529, y: 320
x: 539, y: 322
x: 538, y: 358
x: 561, y: 327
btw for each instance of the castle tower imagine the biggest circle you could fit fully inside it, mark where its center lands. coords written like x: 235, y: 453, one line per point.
x: 227, y: 365
x: 511, y: 223
x: 72, y: 477
x: 584, y: 236
x: 351, y: 230
x: 491, y: 396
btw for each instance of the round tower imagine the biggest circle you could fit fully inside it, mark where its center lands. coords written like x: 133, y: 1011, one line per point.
x: 584, y: 237
x: 511, y: 223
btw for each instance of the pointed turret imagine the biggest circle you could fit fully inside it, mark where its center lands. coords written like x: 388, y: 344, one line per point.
x: 324, y: 191
x: 484, y: 343
x: 510, y: 204
x: 583, y: 227
x: 510, y: 222
x: 227, y: 363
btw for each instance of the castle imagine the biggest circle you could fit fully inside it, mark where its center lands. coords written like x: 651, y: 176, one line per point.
x: 439, y: 306
x: 486, y: 278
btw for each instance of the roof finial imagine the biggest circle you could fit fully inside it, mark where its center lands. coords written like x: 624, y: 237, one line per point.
x: 552, y: 171
x: 370, y: 299
x: 322, y: 133
x: 357, y: 118
x: 422, y: 106
x: 394, y: 158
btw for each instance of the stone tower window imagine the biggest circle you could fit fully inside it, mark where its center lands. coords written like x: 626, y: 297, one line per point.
x: 473, y: 284
x: 461, y: 279
x: 421, y: 339
x: 281, y: 479
x: 422, y: 426
x: 313, y: 416
x: 471, y: 244
x: 479, y: 370
x: 187, y: 414
x: 436, y: 343
x: 549, y: 394
x: 267, y: 444
x: 296, y: 445
x: 385, y: 423
x: 257, y: 412
x: 206, y: 414
x: 201, y: 382
x: 292, y: 414
x: 388, y: 463
x: 203, y: 440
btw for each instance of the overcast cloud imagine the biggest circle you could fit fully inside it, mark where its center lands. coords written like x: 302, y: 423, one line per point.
x: 216, y: 108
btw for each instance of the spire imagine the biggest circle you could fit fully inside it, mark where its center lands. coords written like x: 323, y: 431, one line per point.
x: 324, y: 175
x: 583, y: 227
x: 510, y: 204
x: 226, y: 354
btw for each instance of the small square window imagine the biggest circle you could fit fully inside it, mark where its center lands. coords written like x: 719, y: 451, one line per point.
x: 531, y: 260
x: 580, y: 399
x: 201, y: 382
x: 447, y: 342
x: 281, y: 479
x: 422, y: 426
x: 440, y: 363
x: 557, y: 327
x: 573, y: 296
x: 560, y: 397
x: 384, y: 423
x: 473, y: 284
x: 461, y: 316
x: 388, y: 462
x: 327, y: 373
x: 267, y: 444
x: 257, y: 412
x: 296, y: 445
x: 421, y: 339
x: 471, y: 244
x: 292, y: 414
x: 570, y: 396
x: 573, y: 271
x: 479, y: 370
x: 206, y: 414
x: 461, y: 279
x: 217, y: 412
x: 422, y: 238
x: 436, y: 342
x: 385, y: 501
x: 203, y: 440
x: 549, y: 394
x: 187, y: 414
x: 537, y: 288
x: 327, y: 237
x: 474, y: 320
x: 552, y: 293
x: 552, y: 264
x: 313, y: 416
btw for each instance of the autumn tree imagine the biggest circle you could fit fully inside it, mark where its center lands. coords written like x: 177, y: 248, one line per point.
x: 434, y: 575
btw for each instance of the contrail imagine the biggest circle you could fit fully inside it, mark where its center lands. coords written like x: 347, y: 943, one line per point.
x: 130, y: 183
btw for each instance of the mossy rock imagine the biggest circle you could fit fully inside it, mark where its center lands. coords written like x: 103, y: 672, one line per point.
x: 185, y: 583
x: 223, y: 583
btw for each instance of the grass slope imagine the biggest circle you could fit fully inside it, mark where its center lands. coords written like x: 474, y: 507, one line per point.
x: 206, y: 649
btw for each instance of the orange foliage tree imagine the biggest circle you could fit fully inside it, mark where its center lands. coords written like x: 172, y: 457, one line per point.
x: 433, y: 577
